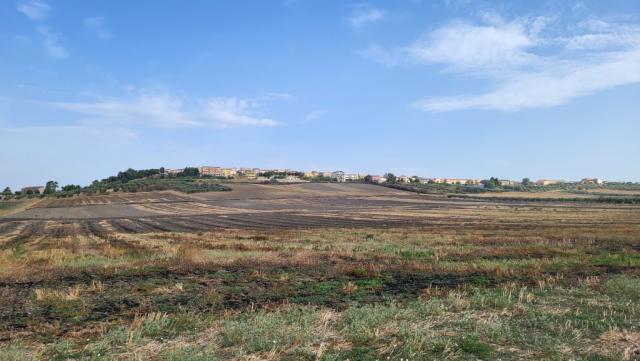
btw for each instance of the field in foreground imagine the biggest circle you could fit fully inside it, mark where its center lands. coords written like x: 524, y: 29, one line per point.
x: 445, y: 279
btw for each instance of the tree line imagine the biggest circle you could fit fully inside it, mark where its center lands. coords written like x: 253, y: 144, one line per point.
x: 116, y: 182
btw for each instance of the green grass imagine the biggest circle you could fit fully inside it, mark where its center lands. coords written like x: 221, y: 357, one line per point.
x: 331, y: 294
x: 478, y: 323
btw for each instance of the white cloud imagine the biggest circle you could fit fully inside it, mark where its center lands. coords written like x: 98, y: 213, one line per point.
x: 548, y: 87
x: 364, y: 15
x: 525, y: 65
x: 232, y: 112
x: 51, y: 43
x: 463, y: 46
x: 599, y: 34
x: 98, y: 25
x: 34, y: 9
x: 170, y: 111
x: 38, y: 10
x: 315, y: 114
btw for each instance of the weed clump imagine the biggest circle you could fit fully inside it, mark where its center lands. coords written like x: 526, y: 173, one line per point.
x: 70, y: 294
x: 189, y: 252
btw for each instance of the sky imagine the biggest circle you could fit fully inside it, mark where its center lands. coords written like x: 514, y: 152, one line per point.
x: 440, y: 88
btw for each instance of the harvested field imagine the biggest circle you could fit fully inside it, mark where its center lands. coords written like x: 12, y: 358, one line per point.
x: 318, y: 272
x: 298, y: 206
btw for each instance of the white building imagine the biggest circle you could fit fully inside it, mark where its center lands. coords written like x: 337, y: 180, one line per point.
x: 338, y: 176
x: 174, y: 171
x: 592, y: 181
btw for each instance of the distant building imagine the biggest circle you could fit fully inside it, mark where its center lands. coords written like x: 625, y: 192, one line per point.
x: 249, y: 173
x: 506, y: 182
x: 592, y: 181
x: 342, y: 177
x: 351, y: 177
x: 455, y: 181
x: 211, y: 171
x: 404, y: 179
x: 229, y: 172
x: 547, y: 182
x: 338, y: 176
x: 291, y: 179
x: 459, y: 181
x: 174, y: 171
x: 33, y: 189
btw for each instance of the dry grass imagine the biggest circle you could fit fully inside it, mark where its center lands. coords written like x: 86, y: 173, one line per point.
x: 479, y: 281
x: 349, y: 288
x: 189, y: 252
x: 626, y: 343
x: 96, y: 286
x: 70, y: 294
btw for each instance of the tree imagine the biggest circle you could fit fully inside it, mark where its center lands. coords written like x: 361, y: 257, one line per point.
x: 526, y: 181
x: 391, y: 178
x: 51, y: 187
x: 71, y: 188
x: 189, y: 172
x: 6, y: 191
x: 491, y: 183
x: 368, y: 178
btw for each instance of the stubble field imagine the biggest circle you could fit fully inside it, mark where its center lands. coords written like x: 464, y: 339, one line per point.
x: 318, y: 272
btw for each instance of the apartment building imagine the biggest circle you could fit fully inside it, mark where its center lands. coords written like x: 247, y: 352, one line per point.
x: 229, y: 172
x: 547, y: 182
x: 454, y: 181
x: 211, y: 171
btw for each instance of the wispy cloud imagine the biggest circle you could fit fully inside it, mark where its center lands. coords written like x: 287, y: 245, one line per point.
x: 529, y: 62
x: 166, y: 110
x: 365, y: 14
x: 547, y: 87
x: 34, y: 9
x: 275, y: 96
x: 37, y: 11
x: 314, y: 114
x: 465, y: 47
x: 51, y: 43
x: 98, y: 25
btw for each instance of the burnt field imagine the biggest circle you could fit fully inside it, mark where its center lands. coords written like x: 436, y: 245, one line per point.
x: 318, y: 272
x: 250, y: 206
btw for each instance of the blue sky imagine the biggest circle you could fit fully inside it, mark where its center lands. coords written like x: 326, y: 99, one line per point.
x: 455, y: 88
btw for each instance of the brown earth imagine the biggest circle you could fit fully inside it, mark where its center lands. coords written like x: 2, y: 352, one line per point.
x: 256, y: 206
